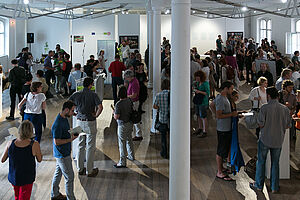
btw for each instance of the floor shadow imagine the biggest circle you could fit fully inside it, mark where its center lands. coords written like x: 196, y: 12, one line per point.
x: 228, y: 188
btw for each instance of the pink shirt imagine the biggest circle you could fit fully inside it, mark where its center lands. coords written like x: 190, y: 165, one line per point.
x: 134, y: 87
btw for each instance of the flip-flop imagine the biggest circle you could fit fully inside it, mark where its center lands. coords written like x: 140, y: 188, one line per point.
x: 225, y: 178
x: 227, y: 171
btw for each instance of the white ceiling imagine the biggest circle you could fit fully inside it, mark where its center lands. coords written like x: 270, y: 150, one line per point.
x: 138, y: 6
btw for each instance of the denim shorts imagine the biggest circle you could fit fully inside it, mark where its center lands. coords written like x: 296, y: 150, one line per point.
x: 201, y: 110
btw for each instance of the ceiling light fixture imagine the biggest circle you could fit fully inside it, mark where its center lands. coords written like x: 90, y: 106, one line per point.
x: 279, y: 9
x: 167, y: 11
x: 113, y: 11
x: 254, y: 11
x: 283, y: 1
x: 244, y: 9
x: 193, y: 11
x: 26, y: 1
x: 205, y: 13
x: 123, y: 12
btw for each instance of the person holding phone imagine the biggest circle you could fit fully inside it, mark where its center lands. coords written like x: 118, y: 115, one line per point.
x: 62, y: 140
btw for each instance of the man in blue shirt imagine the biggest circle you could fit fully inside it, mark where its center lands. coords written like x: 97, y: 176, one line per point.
x: 62, y: 140
x: 49, y: 70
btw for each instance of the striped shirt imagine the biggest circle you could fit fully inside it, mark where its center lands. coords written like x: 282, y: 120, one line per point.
x: 161, y: 100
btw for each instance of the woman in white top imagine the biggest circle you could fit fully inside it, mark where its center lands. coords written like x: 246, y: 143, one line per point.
x: 101, y: 59
x: 35, y: 103
x: 258, y: 96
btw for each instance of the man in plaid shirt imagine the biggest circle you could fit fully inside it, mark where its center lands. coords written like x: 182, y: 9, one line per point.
x: 162, y: 103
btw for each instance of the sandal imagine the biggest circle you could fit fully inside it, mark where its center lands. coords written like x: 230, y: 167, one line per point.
x: 225, y: 178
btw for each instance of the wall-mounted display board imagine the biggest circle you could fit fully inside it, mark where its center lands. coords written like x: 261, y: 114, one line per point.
x: 235, y: 34
x: 131, y: 40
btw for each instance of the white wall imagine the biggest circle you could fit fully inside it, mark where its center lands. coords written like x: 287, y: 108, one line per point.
x: 49, y: 30
x: 204, y: 32
x: 130, y: 25
x: 280, y: 26
x: 85, y: 27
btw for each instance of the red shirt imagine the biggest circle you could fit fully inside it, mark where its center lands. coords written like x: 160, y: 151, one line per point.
x: 116, y: 68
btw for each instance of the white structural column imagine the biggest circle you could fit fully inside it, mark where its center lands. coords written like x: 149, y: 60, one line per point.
x: 150, y: 42
x: 179, y: 185
x: 156, y: 57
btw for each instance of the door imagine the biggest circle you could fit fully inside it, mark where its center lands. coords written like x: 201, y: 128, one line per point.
x: 109, y: 53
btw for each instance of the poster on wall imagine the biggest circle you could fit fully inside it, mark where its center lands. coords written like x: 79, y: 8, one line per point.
x: 132, y: 41
x: 235, y: 35
x: 78, y: 38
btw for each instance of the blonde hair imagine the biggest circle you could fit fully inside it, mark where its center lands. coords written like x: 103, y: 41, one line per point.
x: 25, y: 130
x: 261, y: 80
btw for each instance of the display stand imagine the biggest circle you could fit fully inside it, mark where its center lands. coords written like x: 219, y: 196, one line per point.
x: 284, y: 162
x: 99, y: 85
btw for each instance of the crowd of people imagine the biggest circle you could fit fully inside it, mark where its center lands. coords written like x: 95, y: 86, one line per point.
x: 221, y: 71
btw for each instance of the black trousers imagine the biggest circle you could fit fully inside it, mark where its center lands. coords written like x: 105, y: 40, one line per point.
x: 14, y: 91
x: 48, y: 75
x: 116, y: 81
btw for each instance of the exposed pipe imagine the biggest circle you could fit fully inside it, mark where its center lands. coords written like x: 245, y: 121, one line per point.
x: 252, y: 8
x: 70, y: 8
x: 99, y: 12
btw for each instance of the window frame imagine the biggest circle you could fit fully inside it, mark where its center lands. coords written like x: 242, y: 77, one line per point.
x: 267, y: 30
x: 4, y: 36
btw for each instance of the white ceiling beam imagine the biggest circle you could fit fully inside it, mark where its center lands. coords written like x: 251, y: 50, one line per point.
x: 70, y: 8
x: 252, y: 8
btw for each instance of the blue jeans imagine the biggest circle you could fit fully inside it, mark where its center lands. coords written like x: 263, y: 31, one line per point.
x: 86, y: 145
x: 116, y: 81
x: 125, y: 142
x: 262, y: 153
x: 37, y: 121
x: 63, y: 167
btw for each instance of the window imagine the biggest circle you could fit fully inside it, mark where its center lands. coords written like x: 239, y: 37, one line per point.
x: 2, y: 36
x: 265, y: 29
x: 293, y: 39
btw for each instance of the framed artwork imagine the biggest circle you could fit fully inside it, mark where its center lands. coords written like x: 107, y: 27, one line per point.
x: 131, y: 40
x: 235, y: 34
x: 78, y: 38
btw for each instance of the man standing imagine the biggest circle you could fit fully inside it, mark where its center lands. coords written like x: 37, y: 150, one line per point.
x: 273, y: 119
x: 49, y: 71
x: 17, y: 79
x: 219, y: 42
x: 62, y: 152
x: 116, y: 69
x: 89, y: 107
x: 286, y: 74
x: 224, y: 127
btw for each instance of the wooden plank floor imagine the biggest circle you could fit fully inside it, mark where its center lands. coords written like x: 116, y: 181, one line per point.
x: 147, y: 177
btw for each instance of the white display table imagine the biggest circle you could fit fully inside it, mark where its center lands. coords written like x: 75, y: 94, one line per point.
x: 284, y: 162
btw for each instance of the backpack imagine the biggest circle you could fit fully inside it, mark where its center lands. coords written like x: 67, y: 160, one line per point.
x: 135, y: 116
x: 230, y: 72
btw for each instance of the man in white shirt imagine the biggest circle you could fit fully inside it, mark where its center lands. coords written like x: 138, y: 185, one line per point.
x: 205, y: 69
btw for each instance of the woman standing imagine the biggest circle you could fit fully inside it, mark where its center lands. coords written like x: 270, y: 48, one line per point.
x: 201, y: 87
x: 22, y: 153
x: 35, y: 103
x: 258, y: 96
x: 101, y: 60
x: 122, y: 112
